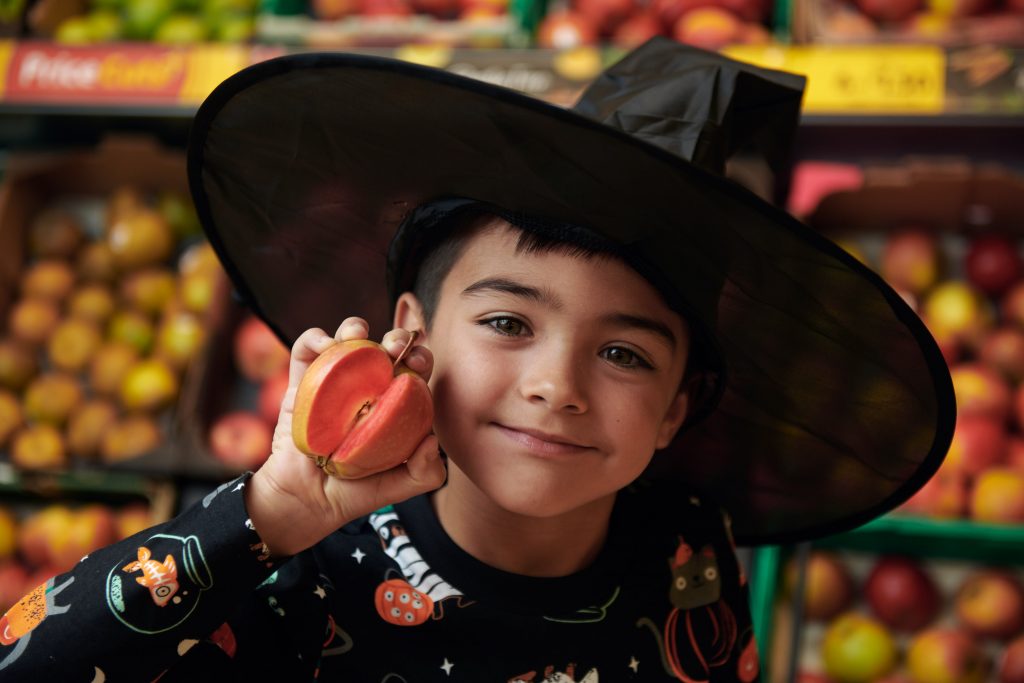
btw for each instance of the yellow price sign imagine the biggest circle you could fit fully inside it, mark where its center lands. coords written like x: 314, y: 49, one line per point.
x: 860, y: 79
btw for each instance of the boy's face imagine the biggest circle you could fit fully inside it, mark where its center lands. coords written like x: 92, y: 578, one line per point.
x: 555, y: 377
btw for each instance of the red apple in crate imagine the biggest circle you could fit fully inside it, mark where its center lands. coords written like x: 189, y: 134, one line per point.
x: 565, y: 29
x: 271, y: 394
x: 1010, y: 665
x: 902, y: 594
x: 981, y: 390
x: 979, y: 442
x: 241, y: 440
x: 812, y: 677
x: 946, y: 655
x: 1003, y: 349
x: 710, y: 28
x: 1015, y: 453
x: 993, y: 263
x: 440, y: 9
x: 637, y: 30
x: 910, y: 260
x: 606, y: 15
x: 990, y: 604
x: 889, y: 10
x: 669, y: 11
x: 92, y: 527
x: 332, y: 10
x: 944, y: 496
x: 747, y: 10
x: 385, y: 8
x: 997, y: 495
x: 259, y: 354
x: 828, y: 586
x: 858, y: 648
x: 356, y: 414
x: 1018, y: 406
x: 1011, y: 305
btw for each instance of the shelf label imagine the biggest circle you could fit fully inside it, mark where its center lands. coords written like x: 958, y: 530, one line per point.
x: 889, y: 79
x: 43, y: 73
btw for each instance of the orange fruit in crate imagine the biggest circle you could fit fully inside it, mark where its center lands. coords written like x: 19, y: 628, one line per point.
x: 38, y: 446
x: 32, y: 320
x: 130, y: 437
x: 140, y: 238
x: 18, y: 364
x: 109, y: 366
x: 73, y: 344
x: 50, y: 279
x: 87, y: 425
x: 93, y: 302
x: 51, y: 397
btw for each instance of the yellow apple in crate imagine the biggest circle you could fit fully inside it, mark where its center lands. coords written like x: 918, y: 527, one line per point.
x: 51, y: 279
x: 1011, y: 662
x: 95, y: 263
x: 179, y: 337
x: 130, y: 437
x: 52, y: 396
x: 38, y: 447
x: 997, y: 496
x: 109, y: 366
x: 33, y: 320
x: 990, y: 604
x: 828, y: 585
x: 946, y: 655
x: 140, y: 238
x: 93, y: 302
x: 979, y: 442
x: 149, y: 385
x: 955, y: 308
x: 73, y: 344
x: 8, y: 533
x: 858, y: 649
x: 241, y: 440
x: 87, y: 425
x: 148, y: 290
x: 981, y: 390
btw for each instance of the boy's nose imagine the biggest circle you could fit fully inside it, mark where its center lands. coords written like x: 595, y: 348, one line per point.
x: 557, y: 380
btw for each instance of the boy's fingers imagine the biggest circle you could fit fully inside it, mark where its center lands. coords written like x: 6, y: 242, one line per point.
x: 306, y: 348
x: 395, y: 341
x: 417, y: 358
x: 423, y: 472
x: 352, y: 328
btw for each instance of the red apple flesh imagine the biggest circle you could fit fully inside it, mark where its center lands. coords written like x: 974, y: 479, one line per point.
x: 356, y: 414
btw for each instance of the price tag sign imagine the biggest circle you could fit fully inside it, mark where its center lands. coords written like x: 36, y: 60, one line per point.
x: 883, y: 79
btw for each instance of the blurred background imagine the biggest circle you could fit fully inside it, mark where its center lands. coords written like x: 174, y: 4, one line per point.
x: 133, y: 381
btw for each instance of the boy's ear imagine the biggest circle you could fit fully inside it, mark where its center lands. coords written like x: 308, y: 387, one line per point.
x: 409, y: 315
x: 674, y: 417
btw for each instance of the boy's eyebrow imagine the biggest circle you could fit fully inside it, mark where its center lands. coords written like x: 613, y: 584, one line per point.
x: 507, y: 286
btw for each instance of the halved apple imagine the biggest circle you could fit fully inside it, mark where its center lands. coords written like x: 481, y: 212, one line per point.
x: 357, y: 414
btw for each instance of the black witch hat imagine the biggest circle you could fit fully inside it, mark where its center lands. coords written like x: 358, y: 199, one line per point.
x: 317, y: 177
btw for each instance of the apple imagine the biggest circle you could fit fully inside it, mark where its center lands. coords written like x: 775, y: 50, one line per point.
x: 93, y: 302
x: 857, y: 649
x: 1011, y: 662
x: 946, y: 655
x: 979, y: 442
x: 90, y: 527
x: 199, y: 259
x: 54, y: 233
x: 385, y: 8
x: 958, y: 8
x: 889, y: 10
x: 931, y: 26
x: 87, y: 425
x: 990, y: 604
x: 18, y: 364
x: 710, y: 28
x: 198, y: 291
x: 133, y: 327
x: 241, y: 440
x: 148, y: 290
x: 606, y: 15
x: 561, y: 30
x: 981, y: 390
x: 51, y: 397
x: 998, y: 496
x: 1011, y: 304
x: 148, y: 385
x: 670, y: 11
x: 1003, y: 349
x: 72, y: 344
x: 109, y: 365
x: 910, y: 260
x: 993, y: 263
x: 179, y: 338
x: 33, y: 320
x: 11, y: 415
x: 13, y: 583
x: 259, y: 354
x: 50, y: 279
x: 1018, y: 405
x: 828, y: 586
x: 805, y: 676
x: 954, y: 307
x: 902, y: 594
x: 40, y: 530
x: 440, y: 9
x: 95, y: 263
x: 131, y: 519
x: 130, y: 437
x: 1015, y: 453
x: 944, y: 496
x: 140, y: 238
x: 271, y: 394
x: 38, y: 447
x: 357, y: 414
x: 637, y: 30
x: 8, y: 533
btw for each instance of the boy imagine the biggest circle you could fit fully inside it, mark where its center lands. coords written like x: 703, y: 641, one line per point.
x: 568, y: 362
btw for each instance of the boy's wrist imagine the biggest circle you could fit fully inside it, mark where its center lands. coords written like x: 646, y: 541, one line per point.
x: 282, y: 523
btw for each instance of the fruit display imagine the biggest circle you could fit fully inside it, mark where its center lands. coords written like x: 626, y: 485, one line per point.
x: 164, y: 22
x: 110, y: 309
x: 709, y: 24
x: 41, y: 539
x: 873, y: 618
x: 943, y: 22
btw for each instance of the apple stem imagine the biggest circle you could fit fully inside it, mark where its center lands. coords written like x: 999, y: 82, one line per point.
x: 408, y: 347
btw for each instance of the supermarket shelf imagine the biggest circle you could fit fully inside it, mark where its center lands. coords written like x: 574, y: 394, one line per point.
x: 923, y: 537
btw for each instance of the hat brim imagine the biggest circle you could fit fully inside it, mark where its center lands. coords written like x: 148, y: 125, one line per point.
x: 838, y: 405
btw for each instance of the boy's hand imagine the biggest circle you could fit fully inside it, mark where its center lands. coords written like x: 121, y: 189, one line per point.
x: 292, y: 503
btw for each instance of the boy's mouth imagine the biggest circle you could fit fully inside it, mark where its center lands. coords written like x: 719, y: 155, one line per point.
x: 540, y: 442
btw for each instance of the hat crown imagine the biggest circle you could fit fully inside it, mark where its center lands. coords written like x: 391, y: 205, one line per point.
x: 699, y: 105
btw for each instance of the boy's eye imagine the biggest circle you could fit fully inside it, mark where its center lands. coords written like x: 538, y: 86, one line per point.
x: 504, y: 325
x: 624, y: 357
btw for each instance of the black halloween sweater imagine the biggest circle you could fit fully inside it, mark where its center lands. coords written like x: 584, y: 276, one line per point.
x: 388, y: 598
